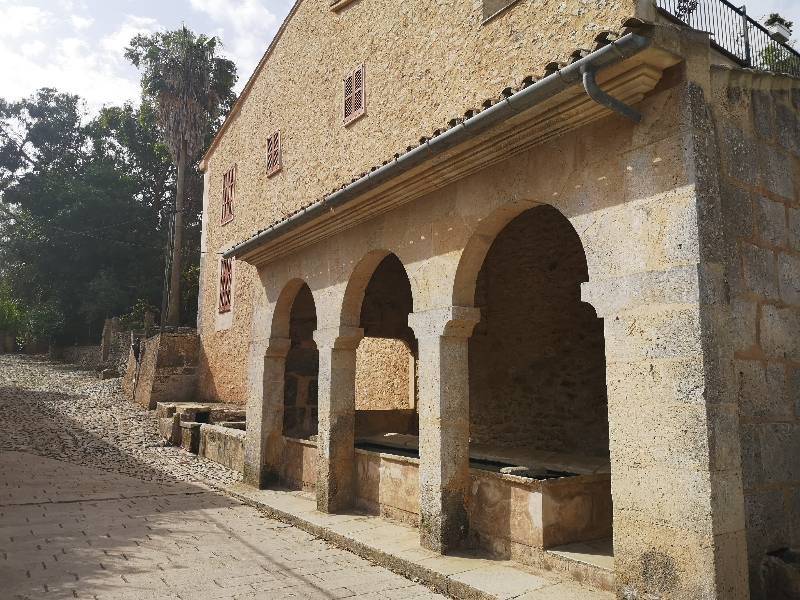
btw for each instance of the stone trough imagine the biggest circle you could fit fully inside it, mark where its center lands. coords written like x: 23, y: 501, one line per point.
x: 212, y: 430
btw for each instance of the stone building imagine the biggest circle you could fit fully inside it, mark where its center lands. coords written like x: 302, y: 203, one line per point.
x: 568, y: 313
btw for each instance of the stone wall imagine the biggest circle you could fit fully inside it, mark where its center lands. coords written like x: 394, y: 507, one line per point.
x: 757, y: 118
x: 86, y: 357
x: 223, y: 445
x: 426, y: 62
x: 384, y: 375
x: 167, y: 369
x: 537, y: 358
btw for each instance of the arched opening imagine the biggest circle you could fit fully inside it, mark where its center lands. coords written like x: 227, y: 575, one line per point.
x: 538, y: 399
x: 386, y: 421
x: 302, y: 369
x: 385, y: 386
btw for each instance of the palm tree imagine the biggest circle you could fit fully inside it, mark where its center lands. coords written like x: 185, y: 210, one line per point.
x: 190, y: 87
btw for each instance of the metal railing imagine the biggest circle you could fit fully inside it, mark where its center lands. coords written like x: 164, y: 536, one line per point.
x: 735, y: 34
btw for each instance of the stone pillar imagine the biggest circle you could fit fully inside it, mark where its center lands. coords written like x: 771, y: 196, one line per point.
x: 336, y: 402
x: 443, y: 405
x: 678, y: 521
x: 265, y: 412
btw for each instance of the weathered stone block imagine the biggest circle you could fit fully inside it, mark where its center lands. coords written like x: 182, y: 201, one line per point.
x: 777, y: 171
x: 794, y: 228
x: 750, y: 443
x: 780, y: 447
x: 169, y: 428
x: 744, y: 320
x: 766, y: 523
x: 789, y: 278
x: 662, y: 332
x: 762, y: 390
x: 763, y: 114
x: 760, y: 271
x: 223, y: 445
x: 190, y: 436
x: 788, y: 128
x: 739, y: 154
x: 771, y: 221
x: 737, y: 208
x: 793, y: 387
x: 780, y: 332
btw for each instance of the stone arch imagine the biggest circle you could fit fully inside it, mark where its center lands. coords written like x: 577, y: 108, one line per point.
x: 536, y: 360
x: 350, y: 315
x: 477, y: 247
x: 378, y: 300
x: 279, y: 328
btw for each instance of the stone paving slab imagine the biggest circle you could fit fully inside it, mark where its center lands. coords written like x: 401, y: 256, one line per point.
x: 140, y: 542
x: 117, y: 515
x: 92, y: 506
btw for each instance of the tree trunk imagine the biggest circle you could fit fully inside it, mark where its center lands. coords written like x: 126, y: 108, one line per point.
x: 174, y: 311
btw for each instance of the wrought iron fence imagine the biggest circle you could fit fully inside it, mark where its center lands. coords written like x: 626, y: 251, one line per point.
x: 735, y: 34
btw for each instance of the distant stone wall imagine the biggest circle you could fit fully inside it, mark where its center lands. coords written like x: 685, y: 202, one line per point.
x: 167, y: 369
x: 86, y: 357
x: 384, y: 375
x: 537, y: 358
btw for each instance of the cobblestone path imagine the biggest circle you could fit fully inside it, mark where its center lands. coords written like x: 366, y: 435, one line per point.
x: 92, y: 506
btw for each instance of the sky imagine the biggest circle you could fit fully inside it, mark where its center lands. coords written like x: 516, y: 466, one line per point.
x: 77, y: 46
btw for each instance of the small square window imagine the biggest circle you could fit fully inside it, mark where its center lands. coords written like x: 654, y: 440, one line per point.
x: 355, y: 98
x: 228, y: 195
x: 225, y: 284
x: 274, y: 154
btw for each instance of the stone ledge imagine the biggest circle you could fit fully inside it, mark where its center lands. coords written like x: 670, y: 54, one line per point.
x: 396, y: 547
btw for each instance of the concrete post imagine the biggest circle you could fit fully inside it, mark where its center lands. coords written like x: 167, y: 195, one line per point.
x: 265, y: 416
x: 443, y: 335
x: 336, y: 402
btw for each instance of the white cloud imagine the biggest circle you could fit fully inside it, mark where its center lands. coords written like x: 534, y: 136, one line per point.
x: 95, y: 69
x: 247, y: 27
x: 116, y: 42
x: 80, y: 23
x: 19, y: 21
x: 32, y: 49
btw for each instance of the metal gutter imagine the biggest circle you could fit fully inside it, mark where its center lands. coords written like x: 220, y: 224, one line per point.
x: 615, y: 52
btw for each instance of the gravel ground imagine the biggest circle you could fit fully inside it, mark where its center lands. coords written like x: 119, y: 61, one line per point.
x: 38, y: 397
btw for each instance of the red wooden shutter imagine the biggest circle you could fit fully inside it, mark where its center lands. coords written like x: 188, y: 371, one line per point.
x: 354, y: 96
x: 228, y: 195
x: 225, y: 284
x: 274, y: 153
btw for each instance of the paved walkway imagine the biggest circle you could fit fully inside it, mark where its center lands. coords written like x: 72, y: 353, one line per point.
x: 92, y: 506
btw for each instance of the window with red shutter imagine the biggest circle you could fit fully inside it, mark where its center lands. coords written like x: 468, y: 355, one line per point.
x: 354, y: 95
x: 273, y: 153
x: 228, y: 195
x: 225, y: 284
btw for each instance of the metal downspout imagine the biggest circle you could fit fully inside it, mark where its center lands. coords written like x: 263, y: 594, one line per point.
x: 595, y: 93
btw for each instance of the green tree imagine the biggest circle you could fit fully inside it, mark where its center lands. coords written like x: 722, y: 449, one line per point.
x: 190, y: 87
x: 83, y: 229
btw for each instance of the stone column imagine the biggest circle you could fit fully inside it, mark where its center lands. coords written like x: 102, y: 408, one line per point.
x: 265, y: 412
x: 677, y: 495
x: 336, y: 402
x: 443, y: 336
